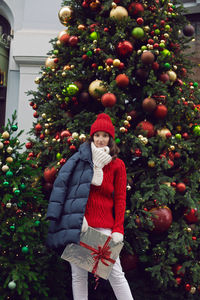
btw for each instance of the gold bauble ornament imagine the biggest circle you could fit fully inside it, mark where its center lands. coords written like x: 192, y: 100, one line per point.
x: 116, y: 62
x: 114, y: 5
x: 151, y: 163
x: 8, y: 205
x: 47, y: 131
x: 9, y: 149
x: 9, y: 159
x: 1, y: 145
x: 44, y: 116
x: 172, y: 75
x: 75, y: 135
x: 65, y: 14
x: 96, y: 88
x: 189, y: 229
x: 118, y: 13
x: 129, y: 118
x: 46, y: 125
x: 172, y: 147
x: 162, y: 132
x: 64, y: 74
x: 58, y: 43
x: 193, y: 290
x: 49, y: 63
x: 126, y: 122
x: 178, y: 128
x: 82, y: 137
x: 5, y: 135
x: 146, y: 28
x: 37, y: 80
x: 81, y: 27
x: 66, y: 68
x: 122, y: 129
x: 5, y: 168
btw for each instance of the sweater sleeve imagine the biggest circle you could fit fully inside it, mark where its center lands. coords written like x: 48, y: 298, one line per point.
x: 59, y: 190
x: 119, y: 197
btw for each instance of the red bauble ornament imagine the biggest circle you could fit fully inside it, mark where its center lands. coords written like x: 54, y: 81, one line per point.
x: 122, y: 80
x: 178, y: 280
x: 149, y: 104
x: 108, y: 100
x: 64, y: 38
x: 191, y: 215
x: 72, y: 147
x: 147, y: 128
x: 185, y: 135
x: 181, y: 187
x: 164, y: 77
x: 140, y: 21
x: 125, y: 48
x: 73, y: 40
x: 109, y: 61
x: 38, y: 127
x: 160, y: 111
x: 128, y: 261
x: 188, y: 287
x: 135, y: 9
x: 65, y: 133
x: 155, y: 66
x: 42, y: 136
x: 29, y: 145
x: 63, y: 161
x: 147, y: 57
x: 162, y: 218
x: 50, y: 174
x: 138, y: 152
x: 35, y: 114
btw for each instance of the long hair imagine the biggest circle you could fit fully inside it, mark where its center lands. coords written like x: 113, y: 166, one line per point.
x: 114, y: 150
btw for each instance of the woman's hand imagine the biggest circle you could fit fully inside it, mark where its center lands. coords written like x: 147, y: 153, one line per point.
x: 84, y: 227
x: 117, y: 237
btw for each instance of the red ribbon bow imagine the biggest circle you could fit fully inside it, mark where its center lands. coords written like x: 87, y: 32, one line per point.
x: 100, y: 254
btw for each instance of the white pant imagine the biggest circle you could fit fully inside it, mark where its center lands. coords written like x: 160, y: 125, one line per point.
x: 116, y: 278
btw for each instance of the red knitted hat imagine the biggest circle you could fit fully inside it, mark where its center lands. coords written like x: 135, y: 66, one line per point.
x: 103, y: 123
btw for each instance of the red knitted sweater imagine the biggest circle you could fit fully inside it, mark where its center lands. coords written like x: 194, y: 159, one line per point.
x: 106, y: 203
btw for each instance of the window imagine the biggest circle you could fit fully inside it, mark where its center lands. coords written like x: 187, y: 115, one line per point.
x: 4, y: 58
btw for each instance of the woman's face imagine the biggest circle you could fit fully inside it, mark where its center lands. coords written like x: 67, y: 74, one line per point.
x: 101, y: 139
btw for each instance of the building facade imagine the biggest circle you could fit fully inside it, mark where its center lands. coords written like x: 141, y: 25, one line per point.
x: 26, y: 28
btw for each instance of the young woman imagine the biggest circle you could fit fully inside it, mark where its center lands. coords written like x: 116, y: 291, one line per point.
x: 88, y: 189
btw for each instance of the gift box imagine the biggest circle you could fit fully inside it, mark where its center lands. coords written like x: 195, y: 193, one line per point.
x: 96, y: 253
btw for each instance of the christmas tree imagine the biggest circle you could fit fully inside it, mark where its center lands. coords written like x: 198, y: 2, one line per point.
x: 127, y: 59
x: 25, y: 263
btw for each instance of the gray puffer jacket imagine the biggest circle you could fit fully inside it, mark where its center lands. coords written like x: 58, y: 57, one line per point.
x: 68, y: 199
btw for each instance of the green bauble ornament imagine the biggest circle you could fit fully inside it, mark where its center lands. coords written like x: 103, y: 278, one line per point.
x: 137, y: 33
x: 166, y: 53
x: 11, y: 285
x: 17, y: 192
x: 195, y: 84
x: 6, y: 183
x: 55, y: 52
x: 89, y: 53
x: 167, y: 66
x: 94, y: 35
x: 117, y: 140
x: 178, y: 136
x: 14, y: 127
x: 9, y: 174
x: 12, y: 227
x: 58, y: 156
x: 72, y: 89
x: 196, y: 130
x: 144, y: 48
x: 22, y: 186
x: 157, y: 31
x: 25, y: 250
x: 37, y: 223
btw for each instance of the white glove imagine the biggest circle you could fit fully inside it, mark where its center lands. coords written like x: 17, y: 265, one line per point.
x: 84, y: 227
x: 117, y: 237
